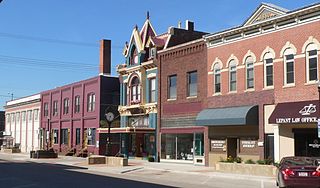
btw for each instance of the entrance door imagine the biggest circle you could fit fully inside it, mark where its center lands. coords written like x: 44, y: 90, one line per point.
x: 198, y: 148
x: 232, y: 147
x: 307, y: 143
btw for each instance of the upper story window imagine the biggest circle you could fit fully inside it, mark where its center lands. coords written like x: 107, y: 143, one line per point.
x: 192, y: 84
x: 288, y: 67
x: 29, y: 115
x: 172, y: 87
x: 36, y: 114
x: 152, y: 88
x: 249, y: 72
x: 134, y: 59
x: 135, y: 90
x: 55, y: 108
x: 312, y: 62
x: 13, y: 117
x: 217, y: 78
x: 77, y: 104
x: 46, y: 109
x: 91, y: 102
x: 268, y: 69
x: 18, y: 117
x: 24, y: 116
x: 232, y: 75
x: 8, y: 119
x: 66, y: 106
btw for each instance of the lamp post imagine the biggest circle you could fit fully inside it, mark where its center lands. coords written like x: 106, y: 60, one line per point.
x: 48, y: 139
x: 109, y: 118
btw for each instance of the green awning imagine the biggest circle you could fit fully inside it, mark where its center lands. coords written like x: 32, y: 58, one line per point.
x: 240, y: 115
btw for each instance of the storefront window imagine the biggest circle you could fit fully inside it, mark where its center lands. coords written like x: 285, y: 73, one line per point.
x: 182, y: 146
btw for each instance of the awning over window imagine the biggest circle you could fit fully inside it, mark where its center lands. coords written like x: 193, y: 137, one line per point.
x: 241, y: 115
x: 295, y: 113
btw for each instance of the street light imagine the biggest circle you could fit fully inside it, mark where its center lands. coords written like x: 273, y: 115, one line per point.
x: 109, y: 118
x: 48, y: 139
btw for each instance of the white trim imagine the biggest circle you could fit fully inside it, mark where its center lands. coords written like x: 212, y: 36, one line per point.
x: 179, y: 46
x: 311, y: 40
x: 287, y: 46
x: 217, y: 60
x: 248, y: 54
x: 285, y: 79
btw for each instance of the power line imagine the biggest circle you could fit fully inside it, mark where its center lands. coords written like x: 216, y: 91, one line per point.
x: 58, y: 41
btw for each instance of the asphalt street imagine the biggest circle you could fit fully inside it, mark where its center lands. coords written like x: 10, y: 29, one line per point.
x: 19, y: 171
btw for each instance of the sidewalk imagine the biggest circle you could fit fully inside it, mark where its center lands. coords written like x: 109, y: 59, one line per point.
x: 141, y: 167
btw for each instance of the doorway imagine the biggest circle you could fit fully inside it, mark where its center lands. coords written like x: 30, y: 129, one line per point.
x: 232, y: 147
x: 306, y: 143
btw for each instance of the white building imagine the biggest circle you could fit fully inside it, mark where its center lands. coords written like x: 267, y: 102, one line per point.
x: 22, y: 122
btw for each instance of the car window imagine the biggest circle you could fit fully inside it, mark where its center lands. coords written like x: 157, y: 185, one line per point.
x: 299, y: 162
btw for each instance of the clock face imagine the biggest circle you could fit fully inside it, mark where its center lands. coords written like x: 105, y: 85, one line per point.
x: 110, y: 116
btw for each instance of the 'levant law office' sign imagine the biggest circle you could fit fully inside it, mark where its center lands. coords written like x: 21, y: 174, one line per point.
x: 295, y: 113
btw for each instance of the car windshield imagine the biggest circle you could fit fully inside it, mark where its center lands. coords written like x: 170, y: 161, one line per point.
x: 299, y: 161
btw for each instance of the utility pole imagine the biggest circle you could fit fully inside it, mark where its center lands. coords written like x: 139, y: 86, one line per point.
x: 11, y: 94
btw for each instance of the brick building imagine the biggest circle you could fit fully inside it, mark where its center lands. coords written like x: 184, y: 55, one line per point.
x: 23, y: 122
x: 71, y: 114
x: 260, y: 76
x: 180, y: 66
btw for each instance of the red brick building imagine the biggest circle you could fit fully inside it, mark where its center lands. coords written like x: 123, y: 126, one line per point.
x: 71, y: 114
x: 182, y: 94
x: 253, y: 72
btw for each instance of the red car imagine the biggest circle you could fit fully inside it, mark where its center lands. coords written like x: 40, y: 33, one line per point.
x: 298, y: 172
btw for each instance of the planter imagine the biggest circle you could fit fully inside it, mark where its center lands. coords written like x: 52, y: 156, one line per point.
x: 248, y: 169
x: 116, y: 161
x: 39, y: 154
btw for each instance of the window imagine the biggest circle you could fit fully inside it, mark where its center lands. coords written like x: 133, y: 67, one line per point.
x: 312, y: 62
x: 217, y: 78
x: 64, y: 136
x: 36, y: 114
x: 91, y: 102
x: 8, y: 119
x: 13, y: 117
x: 55, y: 136
x: 91, y: 136
x: 66, y: 106
x: 55, y: 108
x: 77, y: 104
x: 18, y: 117
x: 152, y: 88
x: 249, y: 73
x: 134, y: 56
x: 172, y: 90
x: 192, y: 84
x: 268, y: 69
x: 24, y: 116
x: 46, y: 109
x: 78, y: 136
x: 232, y: 75
x: 135, y: 90
x: 289, y: 67
x: 29, y: 115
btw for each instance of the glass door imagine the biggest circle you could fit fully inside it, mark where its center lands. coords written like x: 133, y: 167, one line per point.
x: 198, y: 148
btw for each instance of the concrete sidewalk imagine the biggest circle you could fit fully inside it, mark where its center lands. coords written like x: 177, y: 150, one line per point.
x: 138, y: 167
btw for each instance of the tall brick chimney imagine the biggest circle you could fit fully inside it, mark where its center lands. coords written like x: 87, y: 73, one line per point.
x: 105, y: 57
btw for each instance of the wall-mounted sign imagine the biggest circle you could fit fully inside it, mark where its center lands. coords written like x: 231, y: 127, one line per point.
x: 248, y: 143
x: 315, y: 144
x: 217, y: 144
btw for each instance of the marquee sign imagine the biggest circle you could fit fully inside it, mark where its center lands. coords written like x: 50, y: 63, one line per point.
x: 295, y: 113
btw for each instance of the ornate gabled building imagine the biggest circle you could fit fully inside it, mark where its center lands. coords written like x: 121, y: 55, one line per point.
x: 139, y: 82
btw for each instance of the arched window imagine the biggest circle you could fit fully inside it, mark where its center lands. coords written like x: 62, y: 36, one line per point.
x: 134, y: 56
x: 268, y: 69
x: 288, y: 60
x: 135, y: 90
x: 217, y: 78
x: 232, y: 75
x: 249, y: 72
x: 312, y: 62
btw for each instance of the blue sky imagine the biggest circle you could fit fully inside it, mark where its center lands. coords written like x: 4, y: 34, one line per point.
x: 46, y: 43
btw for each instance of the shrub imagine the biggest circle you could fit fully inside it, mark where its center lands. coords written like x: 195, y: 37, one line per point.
x: 249, y: 161
x: 237, y: 160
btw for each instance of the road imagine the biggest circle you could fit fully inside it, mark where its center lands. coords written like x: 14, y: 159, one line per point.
x: 19, y: 173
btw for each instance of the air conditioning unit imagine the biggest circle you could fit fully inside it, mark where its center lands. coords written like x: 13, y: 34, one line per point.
x: 153, y: 52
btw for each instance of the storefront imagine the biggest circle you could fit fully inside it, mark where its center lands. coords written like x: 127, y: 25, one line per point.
x: 295, y: 129
x: 232, y: 132
x: 183, y: 147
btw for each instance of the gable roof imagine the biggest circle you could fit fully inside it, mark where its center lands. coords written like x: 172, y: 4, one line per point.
x: 264, y: 12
